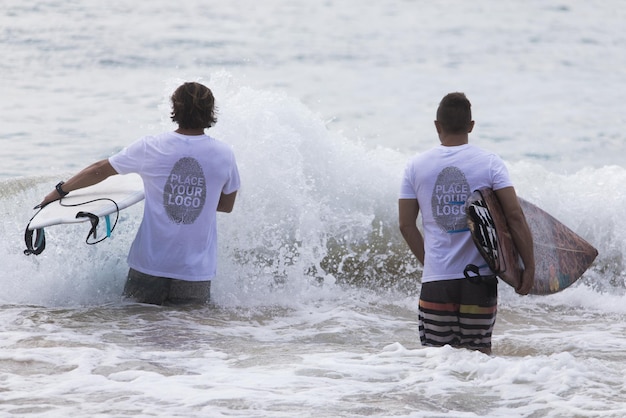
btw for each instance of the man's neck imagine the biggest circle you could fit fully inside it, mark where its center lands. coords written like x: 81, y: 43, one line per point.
x: 190, y: 132
x: 453, y: 140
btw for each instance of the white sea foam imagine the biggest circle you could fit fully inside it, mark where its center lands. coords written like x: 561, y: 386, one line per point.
x: 315, y: 303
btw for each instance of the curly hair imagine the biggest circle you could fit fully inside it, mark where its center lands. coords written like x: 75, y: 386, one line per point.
x: 455, y: 113
x: 193, y: 106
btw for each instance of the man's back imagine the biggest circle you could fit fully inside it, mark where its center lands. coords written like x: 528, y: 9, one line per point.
x: 441, y: 179
x: 184, y: 177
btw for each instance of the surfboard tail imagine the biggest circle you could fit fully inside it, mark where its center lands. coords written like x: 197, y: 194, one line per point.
x: 36, y: 246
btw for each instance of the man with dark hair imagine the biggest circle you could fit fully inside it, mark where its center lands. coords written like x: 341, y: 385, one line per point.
x: 193, y: 105
x: 188, y: 177
x: 453, y: 310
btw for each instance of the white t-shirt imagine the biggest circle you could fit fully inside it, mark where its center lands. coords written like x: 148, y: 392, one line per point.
x: 441, y: 179
x: 183, y: 178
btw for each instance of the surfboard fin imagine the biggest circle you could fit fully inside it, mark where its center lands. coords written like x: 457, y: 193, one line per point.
x: 94, y: 223
x: 93, y: 232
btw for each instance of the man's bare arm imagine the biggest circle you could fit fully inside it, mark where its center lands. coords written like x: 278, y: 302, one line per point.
x: 520, y: 232
x: 227, y: 202
x: 408, y: 209
x: 89, y: 176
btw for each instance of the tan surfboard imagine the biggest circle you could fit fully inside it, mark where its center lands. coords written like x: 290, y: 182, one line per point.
x: 561, y: 255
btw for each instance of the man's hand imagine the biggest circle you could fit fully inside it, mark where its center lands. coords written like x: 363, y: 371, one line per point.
x: 520, y: 233
x: 528, y: 280
x: 50, y: 197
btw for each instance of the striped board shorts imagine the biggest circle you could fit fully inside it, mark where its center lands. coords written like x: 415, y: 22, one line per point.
x: 460, y: 313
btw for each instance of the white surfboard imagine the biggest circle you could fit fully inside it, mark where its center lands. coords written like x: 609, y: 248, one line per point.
x: 110, y: 196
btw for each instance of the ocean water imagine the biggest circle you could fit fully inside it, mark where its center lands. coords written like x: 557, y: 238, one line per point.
x: 314, y: 310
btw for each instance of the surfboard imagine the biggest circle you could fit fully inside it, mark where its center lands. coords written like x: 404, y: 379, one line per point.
x: 88, y: 204
x: 561, y: 255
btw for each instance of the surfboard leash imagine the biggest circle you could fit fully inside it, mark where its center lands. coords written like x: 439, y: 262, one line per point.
x: 37, y: 246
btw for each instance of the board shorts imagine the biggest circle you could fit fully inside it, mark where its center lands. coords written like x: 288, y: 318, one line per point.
x: 460, y: 313
x: 144, y: 288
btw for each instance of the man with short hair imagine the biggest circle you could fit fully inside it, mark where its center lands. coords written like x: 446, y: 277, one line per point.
x: 452, y: 309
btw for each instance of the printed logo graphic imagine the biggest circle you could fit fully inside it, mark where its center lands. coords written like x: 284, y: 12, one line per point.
x: 448, y: 200
x: 184, y: 194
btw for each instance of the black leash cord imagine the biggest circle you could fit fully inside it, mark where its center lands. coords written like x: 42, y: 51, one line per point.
x: 37, y: 247
x: 40, y: 239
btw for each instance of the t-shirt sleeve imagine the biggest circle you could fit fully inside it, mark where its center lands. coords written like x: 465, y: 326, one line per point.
x: 407, y: 191
x: 233, y: 182
x: 499, y: 174
x: 130, y: 159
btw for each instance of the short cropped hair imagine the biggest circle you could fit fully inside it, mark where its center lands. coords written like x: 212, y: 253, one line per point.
x: 193, y: 106
x: 455, y: 113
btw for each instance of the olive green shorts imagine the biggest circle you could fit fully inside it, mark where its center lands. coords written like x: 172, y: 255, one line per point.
x: 144, y: 288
